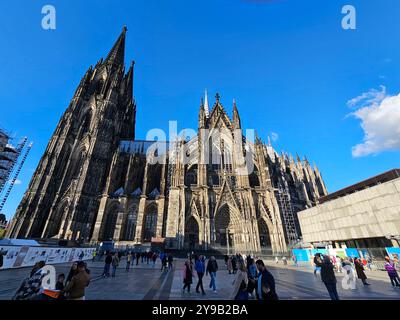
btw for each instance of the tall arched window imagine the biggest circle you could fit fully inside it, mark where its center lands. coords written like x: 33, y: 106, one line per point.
x: 150, y: 223
x: 130, y: 226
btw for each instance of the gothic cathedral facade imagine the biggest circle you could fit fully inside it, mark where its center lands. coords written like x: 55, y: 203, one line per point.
x: 215, y: 191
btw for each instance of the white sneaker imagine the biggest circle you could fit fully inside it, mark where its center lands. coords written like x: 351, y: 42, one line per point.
x: 215, y: 291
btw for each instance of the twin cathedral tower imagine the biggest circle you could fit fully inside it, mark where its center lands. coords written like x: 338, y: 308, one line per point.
x: 95, y: 182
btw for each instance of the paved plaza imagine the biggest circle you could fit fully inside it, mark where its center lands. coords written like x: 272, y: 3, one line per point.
x: 145, y: 282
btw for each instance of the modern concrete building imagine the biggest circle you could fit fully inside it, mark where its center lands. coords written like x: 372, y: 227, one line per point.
x: 364, y: 215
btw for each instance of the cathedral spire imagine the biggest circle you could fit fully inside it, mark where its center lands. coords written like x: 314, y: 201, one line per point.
x: 236, y: 118
x: 117, y: 54
x: 129, y: 80
x: 206, y: 109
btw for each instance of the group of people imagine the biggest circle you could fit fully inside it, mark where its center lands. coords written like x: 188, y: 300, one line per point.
x: 113, y: 259
x: 252, y: 279
x: 70, y: 288
x: 327, y: 266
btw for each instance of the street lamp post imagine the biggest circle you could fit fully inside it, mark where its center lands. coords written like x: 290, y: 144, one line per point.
x: 227, y: 239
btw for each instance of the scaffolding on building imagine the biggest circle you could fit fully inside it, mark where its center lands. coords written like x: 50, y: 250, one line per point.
x: 20, y: 148
x: 287, y: 215
x: 8, y: 160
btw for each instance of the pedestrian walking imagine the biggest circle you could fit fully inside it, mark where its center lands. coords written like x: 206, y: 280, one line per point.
x: 154, y: 259
x: 226, y: 258
x: 252, y: 276
x: 276, y: 260
x: 328, y: 277
x: 360, y: 271
x: 234, y: 264
x: 200, y: 268
x: 107, y: 265
x: 170, y: 261
x: 265, y: 283
x: 1, y: 258
x: 284, y: 260
x: 164, y: 262
x: 187, y: 276
x: 128, y: 261
x: 338, y: 264
x: 240, y: 283
x: 114, y: 263
x: 75, y: 290
x: 212, y: 268
x: 229, y: 265
x: 137, y: 257
x: 392, y: 272
x: 94, y: 253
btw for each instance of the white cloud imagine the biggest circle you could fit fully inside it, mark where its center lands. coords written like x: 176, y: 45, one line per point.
x: 274, y: 136
x: 380, y: 119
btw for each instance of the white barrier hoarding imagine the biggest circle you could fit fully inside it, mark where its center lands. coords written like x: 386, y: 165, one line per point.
x: 25, y: 256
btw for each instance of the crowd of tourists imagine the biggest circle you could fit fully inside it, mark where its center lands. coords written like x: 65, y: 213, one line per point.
x: 251, y: 277
x: 354, y: 268
x: 113, y: 259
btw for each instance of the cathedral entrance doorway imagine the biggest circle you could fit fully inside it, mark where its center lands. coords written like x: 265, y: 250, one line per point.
x: 228, y: 229
x: 191, y: 234
x: 265, y: 239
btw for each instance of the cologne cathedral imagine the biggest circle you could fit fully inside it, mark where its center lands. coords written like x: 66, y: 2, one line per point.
x: 218, y: 190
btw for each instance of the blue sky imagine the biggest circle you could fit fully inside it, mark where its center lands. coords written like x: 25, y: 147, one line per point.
x: 289, y: 64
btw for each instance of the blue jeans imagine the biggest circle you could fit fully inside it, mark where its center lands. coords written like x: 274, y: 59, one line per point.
x: 114, y: 268
x: 212, y: 282
x: 106, y: 271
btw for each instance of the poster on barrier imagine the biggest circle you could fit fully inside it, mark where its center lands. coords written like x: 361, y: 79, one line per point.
x: 25, y: 256
x: 9, y: 256
x: 21, y: 256
x: 393, y: 252
x: 301, y: 255
x: 352, y: 253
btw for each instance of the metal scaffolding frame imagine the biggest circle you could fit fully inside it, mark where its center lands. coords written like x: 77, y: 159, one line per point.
x: 287, y: 215
x: 17, y: 172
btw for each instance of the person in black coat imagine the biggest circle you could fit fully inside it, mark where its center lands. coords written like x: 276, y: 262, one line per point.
x: 328, y: 277
x: 234, y: 264
x: 1, y: 258
x: 265, y: 286
x: 360, y: 271
x: 187, y: 276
